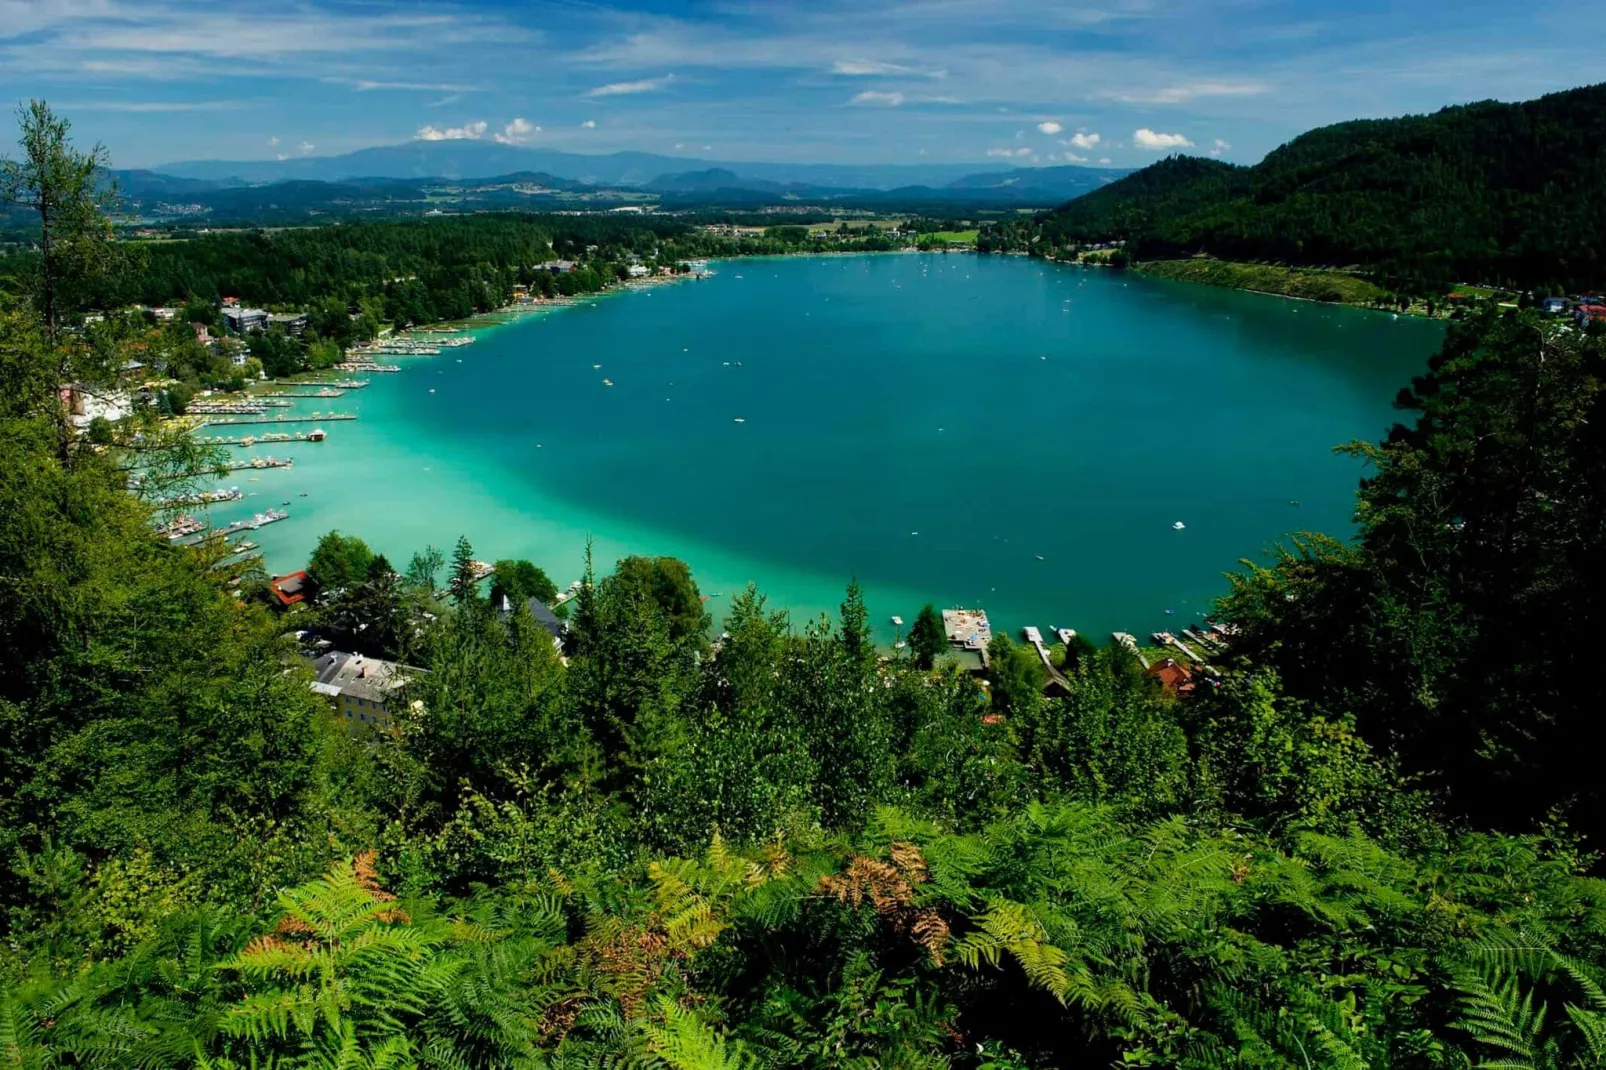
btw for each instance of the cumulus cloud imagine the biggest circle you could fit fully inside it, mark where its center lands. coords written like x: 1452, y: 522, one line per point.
x: 1083, y: 140
x: 618, y: 89
x: 466, y: 132
x: 1148, y: 139
x: 517, y: 132
x: 1050, y: 127
x: 589, y: 124
x: 1071, y: 157
x: 885, y: 100
x: 306, y: 147
x: 1021, y: 152
x: 1219, y: 147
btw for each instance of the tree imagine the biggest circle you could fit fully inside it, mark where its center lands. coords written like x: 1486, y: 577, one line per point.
x: 666, y: 581
x: 520, y: 580
x: 339, y: 561
x: 423, y: 569
x: 62, y: 186
x: 464, y: 584
x: 928, y: 638
x: 855, y: 625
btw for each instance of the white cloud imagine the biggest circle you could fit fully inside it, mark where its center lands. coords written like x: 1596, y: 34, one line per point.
x: 589, y: 124
x: 1148, y: 139
x: 363, y: 85
x: 272, y: 141
x: 306, y: 147
x: 517, y: 132
x: 466, y: 132
x: 680, y: 144
x: 1104, y: 159
x: 1182, y: 94
x: 859, y: 67
x: 1219, y: 147
x: 1081, y: 140
x: 885, y: 100
x: 1071, y: 157
x: 1050, y: 127
x: 618, y: 89
x: 1021, y: 152
x: 281, y: 156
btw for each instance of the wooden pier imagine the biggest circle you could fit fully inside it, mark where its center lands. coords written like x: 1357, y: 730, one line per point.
x: 315, y: 418
x: 267, y: 438
x: 1035, y: 637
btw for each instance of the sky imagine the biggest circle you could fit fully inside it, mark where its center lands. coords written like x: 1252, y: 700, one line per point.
x: 1029, y: 82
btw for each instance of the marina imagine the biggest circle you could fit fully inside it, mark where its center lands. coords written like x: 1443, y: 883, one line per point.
x: 265, y: 438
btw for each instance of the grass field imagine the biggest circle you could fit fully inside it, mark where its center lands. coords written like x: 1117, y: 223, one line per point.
x: 953, y: 235
x: 1311, y: 283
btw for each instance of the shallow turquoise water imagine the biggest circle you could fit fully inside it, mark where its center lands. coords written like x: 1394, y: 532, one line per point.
x: 952, y: 429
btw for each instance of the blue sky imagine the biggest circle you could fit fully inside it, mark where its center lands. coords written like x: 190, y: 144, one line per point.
x: 1030, y: 81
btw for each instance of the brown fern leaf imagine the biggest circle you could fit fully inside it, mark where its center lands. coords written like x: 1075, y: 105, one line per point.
x: 260, y: 944
x: 394, y: 916
x: 290, y: 925
x: 559, y: 1018
x: 930, y: 932
x: 363, y: 868
x: 910, y: 862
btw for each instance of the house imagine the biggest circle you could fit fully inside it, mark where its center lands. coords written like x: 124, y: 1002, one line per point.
x: 240, y: 320
x: 1554, y: 305
x: 293, y: 322
x: 1173, y: 676
x: 165, y: 315
x: 202, y: 334
x: 290, y: 589
x: 560, y: 267
x: 638, y: 271
x: 231, y: 302
x: 361, y: 689
x: 85, y: 404
x: 547, y: 619
x: 1587, y: 314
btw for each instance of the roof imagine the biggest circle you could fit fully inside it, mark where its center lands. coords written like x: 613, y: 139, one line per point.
x: 362, y: 677
x: 543, y: 616
x: 290, y: 589
x: 1172, y: 676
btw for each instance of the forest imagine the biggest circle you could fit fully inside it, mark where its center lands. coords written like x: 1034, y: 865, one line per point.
x: 1499, y: 194
x: 1370, y: 838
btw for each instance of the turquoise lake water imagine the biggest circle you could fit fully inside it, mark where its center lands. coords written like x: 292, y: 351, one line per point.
x: 956, y: 429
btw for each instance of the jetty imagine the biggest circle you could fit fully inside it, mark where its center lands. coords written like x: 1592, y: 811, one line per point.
x: 315, y: 418
x: 1035, y: 637
x: 210, y: 497
x: 342, y: 384
x: 326, y: 392
x: 967, y: 628
x: 271, y: 516
x: 243, y: 408
x: 366, y: 366
x: 1167, y: 639
x: 1130, y: 642
x: 265, y: 438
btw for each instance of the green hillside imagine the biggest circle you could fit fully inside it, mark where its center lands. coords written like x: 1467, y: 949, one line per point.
x: 1510, y: 194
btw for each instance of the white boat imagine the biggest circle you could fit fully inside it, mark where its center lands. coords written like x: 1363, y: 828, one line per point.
x: 1179, y: 525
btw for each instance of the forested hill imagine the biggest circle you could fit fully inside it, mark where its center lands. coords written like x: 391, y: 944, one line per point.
x: 1510, y: 194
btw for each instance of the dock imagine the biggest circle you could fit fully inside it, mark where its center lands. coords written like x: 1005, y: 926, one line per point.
x: 1066, y: 635
x: 342, y: 384
x: 272, y: 516
x: 315, y: 418
x: 264, y: 439
x: 326, y: 392
x: 1130, y: 642
x: 967, y: 628
x: 1167, y: 639
x: 1035, y: 637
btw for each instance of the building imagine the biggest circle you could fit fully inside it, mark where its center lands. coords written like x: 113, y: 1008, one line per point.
x: 240, y: 320
x: 638, y: 271
x: 85, y: 404
x: 361, y: 689
x: 1587, y: 314
x: 202, y: 334
x: 547, y: 619
x: 1173, y: 676
x: 290, y: 589
x: 560, y: 267
x: 293, y: 322
x: 1554, y: 305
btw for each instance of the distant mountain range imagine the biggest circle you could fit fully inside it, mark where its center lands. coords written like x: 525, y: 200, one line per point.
x: 286, y: 191
x: 1510, y: 194
x: 467, y: 159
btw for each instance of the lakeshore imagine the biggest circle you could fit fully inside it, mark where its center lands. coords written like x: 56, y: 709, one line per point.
x: 930, y: 424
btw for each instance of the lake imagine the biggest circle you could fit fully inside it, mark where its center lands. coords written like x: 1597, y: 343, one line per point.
x: 952, y: 429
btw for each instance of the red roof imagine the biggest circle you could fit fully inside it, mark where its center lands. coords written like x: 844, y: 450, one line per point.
x: 289, y: 589
x: 1173, y: 677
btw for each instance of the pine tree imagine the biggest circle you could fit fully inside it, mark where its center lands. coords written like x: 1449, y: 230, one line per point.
x: 928, y: 638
